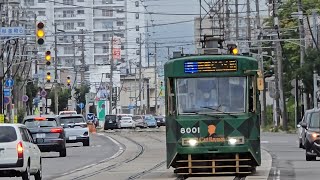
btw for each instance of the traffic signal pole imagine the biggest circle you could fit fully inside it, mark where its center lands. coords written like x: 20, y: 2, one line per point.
x: 56, y: 98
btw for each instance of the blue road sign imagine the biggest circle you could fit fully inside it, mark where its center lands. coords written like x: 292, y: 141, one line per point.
x: 12, y: 31
x: 90, y: 117
x: 7, y: 92
x: 6, y: 100
x: 81, y: 105
x: 9, y: 82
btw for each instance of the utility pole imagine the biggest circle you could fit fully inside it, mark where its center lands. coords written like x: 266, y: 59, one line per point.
x: 248, y: 24
x: 302, y: 48
x: 263, y: 94
x: 315, y: 44
x: 140, y: 71
x: 36, y: 47
x: 82, y: 56
x: 155, y: 79
x: 111, y: 76
x: 237, y: 19
x: 148, y: 51
x: 280, y: 68
x: 278, y: 55
x: 56, y: 98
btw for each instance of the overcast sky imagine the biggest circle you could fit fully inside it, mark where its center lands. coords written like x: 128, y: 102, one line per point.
x: 175, y: 34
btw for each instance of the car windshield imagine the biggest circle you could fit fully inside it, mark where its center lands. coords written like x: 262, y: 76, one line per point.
x: 72, y: 120
x: 7, y: 134
x: 49, y: 122
x: 126, y: 118
x: 315, y: 120
x: 225, y: 94
x: 150, y: 118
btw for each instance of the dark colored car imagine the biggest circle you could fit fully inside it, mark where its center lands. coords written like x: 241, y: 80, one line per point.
x: 161, y: 121
x: 47, y: 133
x: 76, y: 128
x: 140, y: 121
x: 302, y: 131
x: 312, y: 136
x: 111, y: 122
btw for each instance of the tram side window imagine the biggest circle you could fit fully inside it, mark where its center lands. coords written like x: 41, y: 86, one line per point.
x: 251, y: 99
x: 171, y: 97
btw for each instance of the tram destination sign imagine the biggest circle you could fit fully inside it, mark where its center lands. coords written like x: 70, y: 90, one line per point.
x: 205, y: 66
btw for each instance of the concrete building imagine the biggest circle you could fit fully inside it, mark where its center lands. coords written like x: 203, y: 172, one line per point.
x: 84, y: 31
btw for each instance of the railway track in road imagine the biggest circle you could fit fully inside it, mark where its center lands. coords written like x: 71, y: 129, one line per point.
x: 140, y: 151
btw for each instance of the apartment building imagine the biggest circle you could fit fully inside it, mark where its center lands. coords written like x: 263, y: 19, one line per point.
x: 84, y: 29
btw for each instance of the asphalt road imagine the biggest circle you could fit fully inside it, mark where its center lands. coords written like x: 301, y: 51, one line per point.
x: 288, y: 160
x: 77, y: 157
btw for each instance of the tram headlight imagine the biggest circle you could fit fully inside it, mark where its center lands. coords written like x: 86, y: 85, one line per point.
x: 236, y: 140
x: 189, y: 142
x: 193, y: 142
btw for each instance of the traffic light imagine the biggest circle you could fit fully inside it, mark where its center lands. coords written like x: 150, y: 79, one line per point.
x: 48, y: 77
x: 48, y: 58
x: 40, y: 33
x: 233, y: 49
x: 68, y: 81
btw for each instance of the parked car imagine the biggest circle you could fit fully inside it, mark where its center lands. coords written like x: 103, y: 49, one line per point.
x: 302, y: 131
x: 19, y: 156
x: 76, y: 128
x: 312, y: 136
x: 111, y: 122
x: 140, y: 121
x: 151, y: 121
x: 127, y: 122
x: 161, y: 121
x: 47, y: 133
x: 67, y: 112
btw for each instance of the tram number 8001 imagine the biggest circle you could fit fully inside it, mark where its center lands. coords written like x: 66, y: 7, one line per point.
x: 194, y: 130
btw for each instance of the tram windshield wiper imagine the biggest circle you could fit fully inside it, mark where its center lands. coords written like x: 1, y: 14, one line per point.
x: 218, y: 110
x: 199, y: 113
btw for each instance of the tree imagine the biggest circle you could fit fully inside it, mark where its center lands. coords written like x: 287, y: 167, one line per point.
x: 80, y: 94
x: 64, y: 95
x: 31, y: 92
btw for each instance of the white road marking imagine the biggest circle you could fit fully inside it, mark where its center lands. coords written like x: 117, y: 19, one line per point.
x: 118, y: 153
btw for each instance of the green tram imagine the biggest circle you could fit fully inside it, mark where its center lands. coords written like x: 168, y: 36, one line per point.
x: 212, y: 114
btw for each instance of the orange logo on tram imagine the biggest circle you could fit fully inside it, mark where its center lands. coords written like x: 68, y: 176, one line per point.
x: 211, y: 129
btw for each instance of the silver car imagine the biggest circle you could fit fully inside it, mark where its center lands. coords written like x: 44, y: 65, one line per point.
x: 76, y: 128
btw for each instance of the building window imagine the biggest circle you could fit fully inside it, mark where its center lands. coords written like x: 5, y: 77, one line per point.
x: 106, y: 37
x: 137, y: 15
x: 29, y: 2
x: 119, y: 35
x: 137, y: 27
x: 80, y: 12
x: 41, y: 13
x: 68, y: 13
x: 120, y: 11
x: 137, y: 3
x: 122, y: 47
x: 68, y: 50
x: 120, y: 23
x: 41, y: 1
x: 68, y: 26
x: 104, y: 49
x: 137, y: 40
x: 80, y: 0
x: 80, y: 24
x: 68, y: 2
x: 138, y: 52
x: 107, y: 24
x: 107, y: 12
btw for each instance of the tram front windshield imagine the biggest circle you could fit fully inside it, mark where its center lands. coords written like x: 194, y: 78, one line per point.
x: 213, y: 94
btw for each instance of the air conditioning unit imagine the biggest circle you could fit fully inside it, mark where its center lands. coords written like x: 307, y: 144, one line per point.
x: 210, y: 51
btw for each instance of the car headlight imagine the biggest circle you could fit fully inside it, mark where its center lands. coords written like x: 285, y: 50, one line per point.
x: 315, y: 135
x: 236, y: 140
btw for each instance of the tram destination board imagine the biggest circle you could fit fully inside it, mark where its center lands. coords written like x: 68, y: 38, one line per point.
x: 206, y: 66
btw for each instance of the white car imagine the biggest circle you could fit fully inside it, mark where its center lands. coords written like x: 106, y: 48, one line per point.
x: 19, y: 156
x: 127, y: 122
